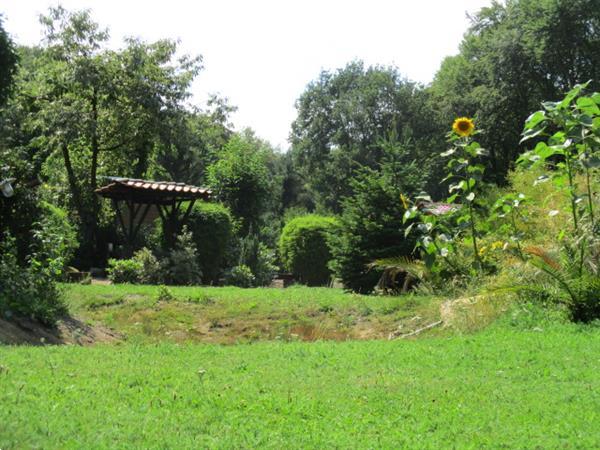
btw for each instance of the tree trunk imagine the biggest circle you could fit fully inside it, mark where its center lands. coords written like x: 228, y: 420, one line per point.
x: 74, y: 187
x: 93, y: 220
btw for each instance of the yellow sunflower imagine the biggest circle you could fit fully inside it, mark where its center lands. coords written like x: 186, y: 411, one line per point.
x: 463, y: 126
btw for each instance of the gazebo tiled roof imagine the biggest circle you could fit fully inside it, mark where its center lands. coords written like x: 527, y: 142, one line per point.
x: 135, y: 200
x: 149, y: 191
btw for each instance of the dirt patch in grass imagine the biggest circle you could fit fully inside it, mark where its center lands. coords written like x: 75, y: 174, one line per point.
x: 232, y: 315
x: 69, y: 330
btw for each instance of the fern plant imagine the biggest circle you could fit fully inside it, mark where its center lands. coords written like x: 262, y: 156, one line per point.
x: 574, y: 279
x: 396, y: 270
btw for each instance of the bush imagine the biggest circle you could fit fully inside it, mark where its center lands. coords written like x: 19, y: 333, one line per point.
x: 124, y: 270
x: 240, y: 178
x: 164, y: 294
x: 304, y: 250
x: 212, y: 228
x: 264, y: 267
x: 181, y: 264
x: 150, y: 271
x: 370, y: 228
x: 29, y: 290
x: 258, y: 258
x: 55, y: 234
x: 240, y: 276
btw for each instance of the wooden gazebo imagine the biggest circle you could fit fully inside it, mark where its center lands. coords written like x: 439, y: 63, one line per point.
x: 138, y: 201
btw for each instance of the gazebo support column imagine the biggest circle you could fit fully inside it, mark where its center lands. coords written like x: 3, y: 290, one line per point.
x: 131, y: 230
x: 172, y: 224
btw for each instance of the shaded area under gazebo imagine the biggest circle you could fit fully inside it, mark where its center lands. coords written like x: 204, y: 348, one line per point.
x: 141, y: 201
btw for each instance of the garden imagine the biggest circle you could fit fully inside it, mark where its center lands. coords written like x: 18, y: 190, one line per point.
x: 421, y: 269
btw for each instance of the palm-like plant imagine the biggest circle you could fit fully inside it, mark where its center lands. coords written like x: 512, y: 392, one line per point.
x: 398, y: 269
x: 574, y: 279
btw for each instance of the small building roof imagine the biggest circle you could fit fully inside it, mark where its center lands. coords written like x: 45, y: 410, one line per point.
x: 151, y: 192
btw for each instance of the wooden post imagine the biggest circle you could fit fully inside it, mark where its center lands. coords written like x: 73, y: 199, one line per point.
x: 139, y: 224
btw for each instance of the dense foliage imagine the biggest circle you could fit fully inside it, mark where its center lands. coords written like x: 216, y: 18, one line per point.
x: 213, y: 231
x: 515, y: 55
x: 367, y: 149
x: 304, y: 248
x: 8, y: 63
x: 240, y: 179
x: 369, y: 228
x: 344, y: 116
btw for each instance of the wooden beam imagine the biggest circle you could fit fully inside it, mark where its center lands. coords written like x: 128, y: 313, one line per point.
x: 188, y: 211
x: 161, y: 213
x: 139, y: 224
x: 132, y: 212
x: 120, y: 216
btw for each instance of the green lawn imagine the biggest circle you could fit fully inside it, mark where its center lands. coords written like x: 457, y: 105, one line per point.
x: 501, y: 388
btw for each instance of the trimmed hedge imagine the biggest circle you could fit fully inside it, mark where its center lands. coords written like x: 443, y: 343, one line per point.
x: 304, y: 250
x: 212, y: 228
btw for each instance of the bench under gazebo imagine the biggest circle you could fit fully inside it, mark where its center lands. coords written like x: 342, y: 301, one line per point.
x: 142, y: 201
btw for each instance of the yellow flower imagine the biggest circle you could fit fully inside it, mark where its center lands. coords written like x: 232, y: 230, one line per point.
x: 496, y: 245
x: 404, y: 201
x: 463, y: 126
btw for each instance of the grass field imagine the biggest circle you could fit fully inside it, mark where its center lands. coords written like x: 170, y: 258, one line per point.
x: 529, y: 380
x: 501, y: 388
x: 233, y: 315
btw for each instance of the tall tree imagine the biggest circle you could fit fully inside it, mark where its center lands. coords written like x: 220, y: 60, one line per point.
x: 241, y: 179
x: 191, y: 141
x: 343, y: 118
x: 8, y: 63
x: 514, y: 56
x: 99, y: 112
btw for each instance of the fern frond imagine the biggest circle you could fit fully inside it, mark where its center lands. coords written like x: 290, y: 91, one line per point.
x: 543, y: 255
x: 398, y: 264
x: 543, y: 261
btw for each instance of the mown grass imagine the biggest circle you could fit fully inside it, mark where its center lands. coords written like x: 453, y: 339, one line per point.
x: 230, y: 315
x: 501, y: 388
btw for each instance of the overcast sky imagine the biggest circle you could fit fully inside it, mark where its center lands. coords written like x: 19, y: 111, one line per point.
x: 262, y: 53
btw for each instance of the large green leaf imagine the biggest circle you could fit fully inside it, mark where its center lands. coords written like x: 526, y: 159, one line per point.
x: 530, y: 134
x: 534, y: 119
x: 588, y: 106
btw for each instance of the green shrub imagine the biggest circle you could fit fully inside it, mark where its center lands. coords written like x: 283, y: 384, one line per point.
x: 264, y: 268
x: 165, y: 294
x: 150, y: 271
x: 370, y: 228
x: 181, y: 267
x: 29, y: 290
x: 240, y: 276
x: 55, y: 234
x: 212, y: 228
x: 240, y: 178
x: 259, y: 258
x: 124, y: 270
x: 304, y: 250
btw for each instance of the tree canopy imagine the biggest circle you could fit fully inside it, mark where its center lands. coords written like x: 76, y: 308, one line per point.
x: 514, y: 56
x: 8, y: 63
x: 343, y: 118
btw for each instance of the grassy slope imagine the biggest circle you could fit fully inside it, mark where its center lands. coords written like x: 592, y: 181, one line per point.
x: 229, y: 315
x: 499, y: 388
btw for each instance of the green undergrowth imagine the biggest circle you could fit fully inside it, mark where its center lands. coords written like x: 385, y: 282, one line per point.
x: 231, y: 315
x: 506, y: 387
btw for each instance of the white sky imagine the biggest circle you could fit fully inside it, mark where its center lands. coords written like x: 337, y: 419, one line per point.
x: 262, y: 53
